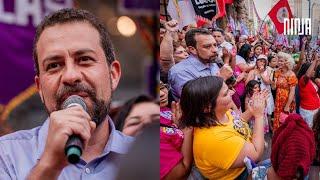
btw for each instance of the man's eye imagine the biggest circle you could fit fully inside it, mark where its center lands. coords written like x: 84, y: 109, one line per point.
x: 52, y: 66
x: 133, y: 124
x: 85, y: 59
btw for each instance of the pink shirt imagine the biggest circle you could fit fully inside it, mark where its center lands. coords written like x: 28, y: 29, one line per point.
x: 239, y: 87
x: 171, y: 139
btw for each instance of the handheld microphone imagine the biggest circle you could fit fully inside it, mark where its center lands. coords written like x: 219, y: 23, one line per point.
x: 74, y: 145
x: 230, y: 81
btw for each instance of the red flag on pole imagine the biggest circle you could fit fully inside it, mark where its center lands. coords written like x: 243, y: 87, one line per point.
x: 222, y: 7
x: 280, y: 11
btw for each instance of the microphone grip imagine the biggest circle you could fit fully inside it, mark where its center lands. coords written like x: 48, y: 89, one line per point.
x: 73, y: 149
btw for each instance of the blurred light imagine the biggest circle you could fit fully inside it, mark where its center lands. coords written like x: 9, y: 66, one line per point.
x: 126, y: 26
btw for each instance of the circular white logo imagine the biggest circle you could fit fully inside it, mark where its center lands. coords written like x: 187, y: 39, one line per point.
x: 237, y: 123
x: 282, y: 13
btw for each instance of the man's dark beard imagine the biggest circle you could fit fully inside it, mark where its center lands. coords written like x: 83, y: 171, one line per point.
x: 210, y: 60
x: 100, y: 108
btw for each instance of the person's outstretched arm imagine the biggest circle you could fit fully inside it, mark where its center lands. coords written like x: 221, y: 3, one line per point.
x: 166, y: 45
x: 254, y: 149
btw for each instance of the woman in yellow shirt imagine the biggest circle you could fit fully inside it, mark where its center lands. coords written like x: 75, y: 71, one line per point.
x: 222, y: 137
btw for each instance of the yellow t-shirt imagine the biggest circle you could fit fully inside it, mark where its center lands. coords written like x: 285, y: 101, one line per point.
x: 216, y: 148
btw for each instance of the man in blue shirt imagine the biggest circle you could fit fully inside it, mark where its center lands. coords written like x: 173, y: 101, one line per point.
x: 73, y: 56
x: 202, y: 61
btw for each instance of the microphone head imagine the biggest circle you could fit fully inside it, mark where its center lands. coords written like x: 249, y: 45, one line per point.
x: 74, y: 100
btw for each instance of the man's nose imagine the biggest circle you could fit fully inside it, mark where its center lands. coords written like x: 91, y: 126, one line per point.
x: 214, y: 49
x: 71, y: 74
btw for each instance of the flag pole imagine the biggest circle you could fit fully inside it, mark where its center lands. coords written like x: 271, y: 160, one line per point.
x: 259, y: 19
x: 262, y: 22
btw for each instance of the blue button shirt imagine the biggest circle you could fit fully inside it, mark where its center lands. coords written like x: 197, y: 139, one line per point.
x: 20, y: 151
x: 186, y: 70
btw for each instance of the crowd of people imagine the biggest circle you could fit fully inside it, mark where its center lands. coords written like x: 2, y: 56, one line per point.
x: 221, y: 93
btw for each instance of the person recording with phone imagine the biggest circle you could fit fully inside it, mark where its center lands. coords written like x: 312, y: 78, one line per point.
x: 76, y: 74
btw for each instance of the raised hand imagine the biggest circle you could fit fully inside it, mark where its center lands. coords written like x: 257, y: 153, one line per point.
x: 258, y: 103
x: 261, y: 69
x: 304, y: 40
x: 176, y: 112
x: 225, y: 52
x: 226, y: 72
x: 172, y: 25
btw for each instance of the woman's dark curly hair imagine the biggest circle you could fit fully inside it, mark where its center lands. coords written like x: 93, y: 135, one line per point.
x: 198, y: 101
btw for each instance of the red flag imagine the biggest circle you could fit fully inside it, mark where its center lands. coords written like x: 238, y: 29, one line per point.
x: 278, y: 12
x: 222, y: 7
x: 201, y: 21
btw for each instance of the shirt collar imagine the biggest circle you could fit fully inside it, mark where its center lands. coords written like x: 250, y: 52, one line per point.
x: 117, y: 142
x: 197, y: 63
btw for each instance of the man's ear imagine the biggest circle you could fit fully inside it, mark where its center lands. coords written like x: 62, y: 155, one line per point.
x: 192, y: 50
x: 115, y: 73
x: 37, y: 81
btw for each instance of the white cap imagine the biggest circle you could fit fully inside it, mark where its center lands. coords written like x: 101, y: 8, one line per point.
x: 262, y: 56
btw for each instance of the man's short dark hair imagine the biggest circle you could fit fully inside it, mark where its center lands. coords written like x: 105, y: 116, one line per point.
x: 68, y: 15
x: 190, y: 36
x: 218, y: 30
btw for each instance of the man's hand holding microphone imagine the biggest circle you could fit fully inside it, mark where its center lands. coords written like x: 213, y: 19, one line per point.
x: 69, y: 132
